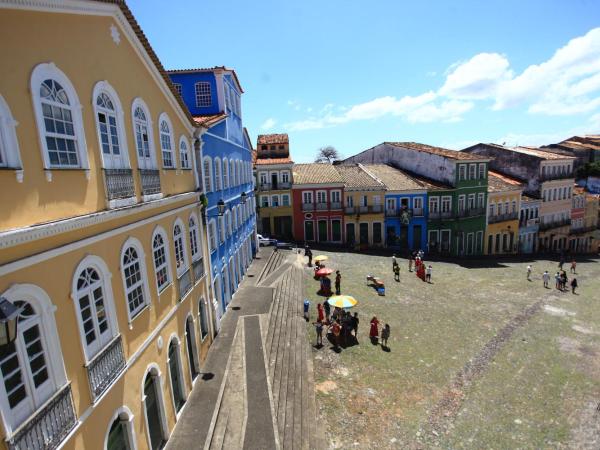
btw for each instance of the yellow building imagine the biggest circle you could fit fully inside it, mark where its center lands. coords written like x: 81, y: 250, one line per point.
x: 101, y: 238
x: 274, y: 178
x: 363, y: 206
x: 584, y: 221
x: 504, y: 204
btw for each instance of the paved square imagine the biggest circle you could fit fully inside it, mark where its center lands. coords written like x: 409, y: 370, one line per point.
x: 480, y: 358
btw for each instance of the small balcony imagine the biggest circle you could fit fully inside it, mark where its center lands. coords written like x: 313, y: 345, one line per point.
x: 391, y: 212
x: 105, y: 367
x: 503, y: 217
x: 336, y: 205
x: 376, y: 209
x: 285, y: 185
x: 472, y: 212
x: 308, y: 206
x: 264, y: 186
x: 446, y: 215
x: 198, y: 268
x: 363, y: 209
x: 184, y: 283
x: 350, y: 210
x: 150, y: 181
x: 417, y: 212
x: 321, y: 206
x: 48, y: 426
x: 554, y: 224
x: 119, y: 183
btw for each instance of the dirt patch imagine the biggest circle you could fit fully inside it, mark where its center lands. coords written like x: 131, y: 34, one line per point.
x: 584, y: 330
x: 586, y: 431
x: 554, y: 311
x: 326, y: 386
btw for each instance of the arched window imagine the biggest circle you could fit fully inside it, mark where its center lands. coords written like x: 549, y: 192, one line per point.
x: 179, y: 244
x: 228, y: 222
x: 121, y: 434
x: 109, y: 122
x: 32, y: 367
x: 58, y: 115
x: 176, y: 376
x: 195, y: 245
x: 212, y: 235
x: 232, y: 172
x: 207, y: 169
x: 192, y: 349
x: 160, y: 255
x: 134, y: 279
x: 93, y: 298
x: 184, y: 156
x: 9, y: 145
x: 218, y: 179
x: 225, y: 174
x: 166, y: 141
x: 238, y: 171
x: 142, y: 129
x: 203, y: 316
x: 154, y: 409
x: 221, y: 220
x: 234, y: 221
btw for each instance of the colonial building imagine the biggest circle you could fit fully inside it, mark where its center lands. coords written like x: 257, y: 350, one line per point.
x: 273, y: 169
x: 456, y: 209
x: 405, y: 208
x: 529, y: 222
x: 504, y: 205
x: 547, y: 176
x: 213, y: 97
x: 317, y: 193
x: 102, y: 248
x: 584, y: 221
x: 363, y: 207
x: 585, y: 149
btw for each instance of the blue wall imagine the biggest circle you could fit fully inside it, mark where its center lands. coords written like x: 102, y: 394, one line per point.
x: 396, y: 222
x: 188, y: 91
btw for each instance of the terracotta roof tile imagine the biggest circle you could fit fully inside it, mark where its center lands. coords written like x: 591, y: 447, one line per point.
x: 281, y: 138
x: 498, y: 182
x: 267, y: 161
x: 392, y: 178
x: 446, y: 153
x: 539, y: 153
x: 209, y: 120
x: 210, y: 69
x: 355, y: 176
x: 316, y: 174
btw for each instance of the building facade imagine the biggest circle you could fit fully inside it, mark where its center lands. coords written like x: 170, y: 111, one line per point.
x: 529, y: 221
x: 457, y: 191
x: 318, y: 193
x: 213, y: 97
x: 547, y: 176
x: 504, y: 206
x: 274, y: 178
x: 584, y: 221
x: 363, y: 207
x: 102, y: 245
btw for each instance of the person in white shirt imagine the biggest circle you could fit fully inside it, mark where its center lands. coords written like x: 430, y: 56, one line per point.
x: 546, y: 277
x: 529, y: 272
x: 428, y: 273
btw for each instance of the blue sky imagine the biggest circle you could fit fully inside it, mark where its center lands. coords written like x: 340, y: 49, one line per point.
x: 353, y: 74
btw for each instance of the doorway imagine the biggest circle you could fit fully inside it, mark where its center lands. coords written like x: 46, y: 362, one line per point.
x: 153, y: 413
x: 322, y: 231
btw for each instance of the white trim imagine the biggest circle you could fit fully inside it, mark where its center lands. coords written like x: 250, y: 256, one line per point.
x: 164, y: 117
x: 194, y: 349
x: 139, y: 248
x: 18, y: 236
x: 40, y: 73
x: 153, y: 370
x: 185, y: 264
x: 139, y: 102
x: 160, y: 230
x: 182, y: 385
x: 9, y: 141
x: 228, y: 141
x: 189, y: 149
x: 131, y: 440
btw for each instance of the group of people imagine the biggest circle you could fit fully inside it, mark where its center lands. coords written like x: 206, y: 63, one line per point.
x: 341, y: 324
x: 374, y: 332
x: 560, y: 277
x: 415, y: 259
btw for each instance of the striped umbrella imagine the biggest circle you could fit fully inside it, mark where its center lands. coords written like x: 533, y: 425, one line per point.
x: 343, y: 301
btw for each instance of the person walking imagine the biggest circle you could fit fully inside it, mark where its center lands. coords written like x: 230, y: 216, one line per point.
x: 428, y: 273
x: 394, y: 262
x: 573, y: 266
x: 327, y: 308
x: 563, y: 280
x: 355, y: 322
x: 336, y: 330
x: 338, y: 282
x: 374, y: 331
x: 557, y: 279
x: 320, y: 313
x: 561, y: 262
x: 546, y: 278
x: 306, y: 308
x: 573, y: 285
x: 308, y: 254
x: 411, y: 260
x: 397, y: 273
x: 319, y: 331
x: 385, y: 335
x: 529, y: 272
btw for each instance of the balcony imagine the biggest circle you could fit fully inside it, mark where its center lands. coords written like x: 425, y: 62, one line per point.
x: 391, y: 212
x: 556, y: 176
x: 446, y: 215
x: 583, y: 230
x: 119, y: 183
x: 363, y: 209
x: 198, y: 268
x: 48, y: 426
x: 264, y: 186
x: 150, y: 181
x: 350, y: 210
x: 376, y: 208
x: 321, y: 206
x: 554, y: 224
x: 308, y: 206
x: 417, y: 212
x: 184, y: 283
x: 503, y: 217
x: 336, y: 205
x: 285, y: 185
x: 473, y: 212
x: 105, y: 367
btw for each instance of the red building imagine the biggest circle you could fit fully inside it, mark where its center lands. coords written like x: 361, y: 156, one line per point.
x: 317, y: 195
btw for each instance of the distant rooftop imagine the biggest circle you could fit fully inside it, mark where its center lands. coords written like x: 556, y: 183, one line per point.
x: 525, y: 150
x: 499, y: 182
x: 209, y: 69
x: 271, y: 161
x: 446, y: 153
x: 354, y: 176
x: 393, y: 179
x: 210, y: 119
x: 316, y: 173
x: 281, y: 138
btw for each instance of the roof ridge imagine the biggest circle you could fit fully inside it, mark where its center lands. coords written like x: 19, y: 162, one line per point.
x: 372, y: 176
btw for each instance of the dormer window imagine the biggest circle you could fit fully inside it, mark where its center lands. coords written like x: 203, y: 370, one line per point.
x: 203, y: 94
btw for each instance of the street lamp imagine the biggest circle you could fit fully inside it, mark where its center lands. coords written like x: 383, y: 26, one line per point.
x: 243, y: 198
x: 221, y: 207
x: 8, y: 321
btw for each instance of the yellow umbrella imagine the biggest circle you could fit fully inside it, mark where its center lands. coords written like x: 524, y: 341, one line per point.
x: 343, y: 301
x: 321, y: 258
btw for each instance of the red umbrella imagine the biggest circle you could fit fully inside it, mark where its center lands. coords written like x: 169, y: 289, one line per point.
x: 324, y: 272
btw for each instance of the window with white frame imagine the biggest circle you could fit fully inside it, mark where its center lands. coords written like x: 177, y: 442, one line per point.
x: 264, y: 201
x: 471, y: 201
x: 481, y: 171
x: 203, y: 316
x: 226, y: 172
x: 228, y: 223
x: 481, y: 200
x: 9, y: 146
x: 418, y: 203
x: 446, y: 204
x: 232, y: 173
x: 492, y: 209
x: 514, y: 206
x: 307, y: 197
x: 461, y: 203
x: 285, y: 200
x: 207, y: 169
x: 165, y: 144
x: 203, y: 94
x: 462, y: 172
x: 108, y: 129
x: 336, y: 196
x: 275, y: 200
x: 238, y: 172
x: 285, y: 176
x: 212, y: 235
x: 141, y: 127
x: 218, y: 175
x: 161, y: 261
x: 472, y: 171
x: 134, y: 281
x: 184, y: 156
x: 195, y: 245
x: 321, y: 196
x: 178, y: 88
x: 434, y: 204
x: 500, y: 209
x: 179, y: 244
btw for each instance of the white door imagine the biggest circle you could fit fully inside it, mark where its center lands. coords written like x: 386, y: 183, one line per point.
x: 112, y: 151
x: 142, y: 139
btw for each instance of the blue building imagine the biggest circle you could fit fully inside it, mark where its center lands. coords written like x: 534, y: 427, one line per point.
x: 213, y: 97
x: 405, y: 208
x: 529, y: 224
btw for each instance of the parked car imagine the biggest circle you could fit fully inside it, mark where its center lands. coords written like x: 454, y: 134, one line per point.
x: 265, y: 241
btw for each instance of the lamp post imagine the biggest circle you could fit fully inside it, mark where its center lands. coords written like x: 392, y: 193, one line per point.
x: 8, y: 321
x: 221, y: 207
x: 243, y: 198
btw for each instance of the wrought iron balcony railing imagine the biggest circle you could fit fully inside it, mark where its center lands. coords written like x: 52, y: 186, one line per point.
x: 583, y: 230
x: 150, y: 181
x: 391, y: 212
x: 350, y: 210
x: 554, y: 224
x: 556, y: 176
x: 503, y: 217
x: 335, y: 205
x: 184, y: 283
x: 48, y: 426
x: 321, y: 206
x: 264, y: 186
x: 198, y: 267
x: 417, y: 212
x: 105, y: 367
x: 308, y: 206
x: 119, y: 183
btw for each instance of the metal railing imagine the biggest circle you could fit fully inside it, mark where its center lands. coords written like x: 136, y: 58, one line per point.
x: 150, y: 181
x: 363, y: 209
x: 335, y: 205
x: 446, y: 215
x: 471, y: 212
x: 105, y: 367
x: 198, y: 268
x: 308, y: 206
x: 48, y: 426
x: 503, y: 217
x: 119, y: 183
x: 184, y: 283
x: 264, y: 187
x: 554, y: 224
x: 418, y: 212
x: 583, y: 230
x: 349, y: 210
x: 285, y: 185
x: 391, y: 212
x: 377, y: 208
x: 321, y: 206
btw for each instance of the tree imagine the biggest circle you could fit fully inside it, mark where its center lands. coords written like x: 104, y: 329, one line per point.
x: 589, y: 170
x: 327, y: 155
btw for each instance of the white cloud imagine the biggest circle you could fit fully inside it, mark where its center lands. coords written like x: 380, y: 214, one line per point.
x: 268, y: 124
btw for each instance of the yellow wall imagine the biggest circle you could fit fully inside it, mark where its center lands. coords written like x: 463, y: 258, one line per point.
x: 507, y: 227
x: 84, y: 50
x: 368, y: 217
